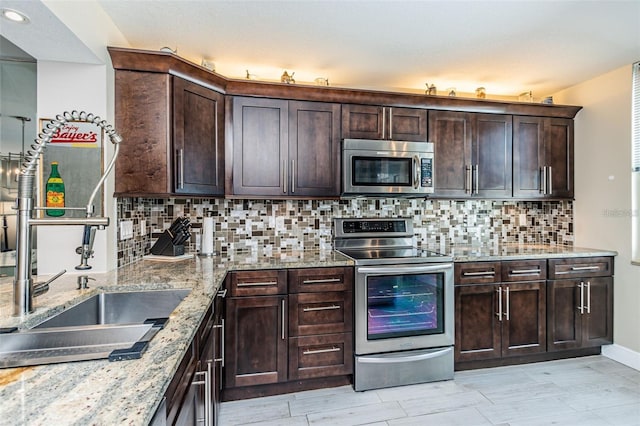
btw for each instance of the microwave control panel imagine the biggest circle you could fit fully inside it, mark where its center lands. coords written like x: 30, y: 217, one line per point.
x: 426, y: 172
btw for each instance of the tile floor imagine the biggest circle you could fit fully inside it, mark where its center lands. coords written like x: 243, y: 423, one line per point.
x: 581, y: 391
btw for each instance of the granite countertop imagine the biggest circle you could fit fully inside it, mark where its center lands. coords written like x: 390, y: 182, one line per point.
x: 128, y: 392
x: 125, y: 392
x: 490, y: 252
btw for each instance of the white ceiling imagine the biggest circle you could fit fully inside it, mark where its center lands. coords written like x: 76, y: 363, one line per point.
x: 508, y: 46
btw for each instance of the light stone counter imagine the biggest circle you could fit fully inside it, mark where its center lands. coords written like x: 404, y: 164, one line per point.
x: 462, y: 253
x: 126, y: 392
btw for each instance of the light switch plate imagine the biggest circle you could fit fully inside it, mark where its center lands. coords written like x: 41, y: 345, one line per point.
x: 143, y: 227
x: 126, y: 230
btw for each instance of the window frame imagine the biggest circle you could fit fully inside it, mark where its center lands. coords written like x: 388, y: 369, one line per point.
x: 635, y: 165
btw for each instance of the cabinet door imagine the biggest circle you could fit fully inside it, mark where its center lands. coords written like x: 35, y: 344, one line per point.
x: 524, y: 319
x: 451, y: 133
x: 363, y: 122
x: 198, y: 139
x: 142, y: 119
x: 255, y: 341
x: 314, y: 149
x: 528, y: 156
x: 597, y: 323
x: 380, y: 122
x: 559, y: 155
x: 543, y: 157
x: 491, y: 157
x: 564, y: 320
x: 218, y: 343
x: 260, y: 140
x: 477, y: 325
x: 407, y: 124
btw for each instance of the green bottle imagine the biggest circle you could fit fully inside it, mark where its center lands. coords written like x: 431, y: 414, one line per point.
x: 55, y: 191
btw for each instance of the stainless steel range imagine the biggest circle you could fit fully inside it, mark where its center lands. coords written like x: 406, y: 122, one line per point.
x: 403, y: 303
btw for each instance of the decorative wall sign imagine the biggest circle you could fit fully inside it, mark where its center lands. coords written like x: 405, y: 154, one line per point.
x: 77, y: 147
x: 78, y: 134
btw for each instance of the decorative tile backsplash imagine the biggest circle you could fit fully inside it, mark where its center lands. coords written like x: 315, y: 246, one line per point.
x: 270, y: 226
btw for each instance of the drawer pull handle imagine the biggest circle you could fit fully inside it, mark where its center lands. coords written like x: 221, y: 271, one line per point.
x: 256, y: 284
x: 324, y: 280
x: 585, y: 268
x: 321, y: 308
x: 479, y: 274
x: 525, y: 272
x: 320, y: 351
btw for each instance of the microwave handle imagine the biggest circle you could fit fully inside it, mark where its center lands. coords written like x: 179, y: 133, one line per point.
x: 416, y: 171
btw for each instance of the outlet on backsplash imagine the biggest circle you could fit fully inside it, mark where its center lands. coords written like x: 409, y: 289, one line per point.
x: 126, y: 230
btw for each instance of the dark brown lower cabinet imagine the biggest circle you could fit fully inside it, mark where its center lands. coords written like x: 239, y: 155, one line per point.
x: 320, y: 356
x: 299, y: 339
x: 193, y: 394
x: 518, y: 311
x: 256, y: 341
x: 581, y: 313
x: 500, y: 320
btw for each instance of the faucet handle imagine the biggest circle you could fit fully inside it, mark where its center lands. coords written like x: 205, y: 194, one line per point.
x: 43, y: 287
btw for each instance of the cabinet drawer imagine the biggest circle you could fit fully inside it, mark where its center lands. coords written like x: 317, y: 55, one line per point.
x: 320, y: 280
x: 477, y: 272
x: 580, y: 267
x: 524, y: 270
x: 257, y: 283
x: 320, y: 313
x: 320, y: 356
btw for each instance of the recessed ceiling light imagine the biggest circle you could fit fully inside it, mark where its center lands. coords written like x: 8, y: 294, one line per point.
x: 15, y: 16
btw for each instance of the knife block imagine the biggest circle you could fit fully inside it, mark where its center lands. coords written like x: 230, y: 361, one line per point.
x: 164, y: 246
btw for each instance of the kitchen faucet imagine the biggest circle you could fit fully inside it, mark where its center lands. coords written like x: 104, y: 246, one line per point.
x: 24, y: 290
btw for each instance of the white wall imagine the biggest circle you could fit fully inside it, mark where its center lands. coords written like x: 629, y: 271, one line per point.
x: 64, y: 86
x: 603, y: 207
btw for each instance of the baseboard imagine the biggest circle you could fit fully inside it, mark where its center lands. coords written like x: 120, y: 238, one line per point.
x: 622, y: 355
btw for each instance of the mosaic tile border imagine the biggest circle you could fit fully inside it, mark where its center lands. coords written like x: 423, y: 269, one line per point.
x: 277, y: 226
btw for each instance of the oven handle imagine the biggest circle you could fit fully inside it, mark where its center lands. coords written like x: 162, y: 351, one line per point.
x: 411, y: 358
x: 404, y: 269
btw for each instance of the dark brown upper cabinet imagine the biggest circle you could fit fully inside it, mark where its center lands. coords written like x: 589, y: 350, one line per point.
x: 542, y: 157
x: 292, y: 138
x: 198, y: 139
x: 172, y: 133
x: 473, y: 154
x: 379, y: 122
x: 285, y: 148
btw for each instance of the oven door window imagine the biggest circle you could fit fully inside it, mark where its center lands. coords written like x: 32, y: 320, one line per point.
x: 385, y: 171
x: 405, y: 305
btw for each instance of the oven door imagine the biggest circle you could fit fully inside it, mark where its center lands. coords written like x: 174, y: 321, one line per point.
x: 403, y: 307
x: 387, y: 171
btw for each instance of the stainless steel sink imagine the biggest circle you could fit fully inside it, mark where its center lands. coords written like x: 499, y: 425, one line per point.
x: 49, y: 346
x: 109, y: 325
x: 119, y: 308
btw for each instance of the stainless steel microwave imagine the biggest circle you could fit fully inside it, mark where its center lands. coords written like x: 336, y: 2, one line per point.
x: 387, y: 168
